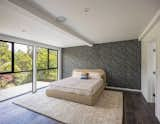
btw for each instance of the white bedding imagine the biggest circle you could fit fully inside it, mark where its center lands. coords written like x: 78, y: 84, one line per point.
x: 79, y: 86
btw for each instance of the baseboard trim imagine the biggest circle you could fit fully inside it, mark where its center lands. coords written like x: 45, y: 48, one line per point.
x: 123, y: 89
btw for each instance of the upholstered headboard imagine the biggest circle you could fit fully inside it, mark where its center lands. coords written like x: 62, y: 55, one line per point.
x: 100, y: 71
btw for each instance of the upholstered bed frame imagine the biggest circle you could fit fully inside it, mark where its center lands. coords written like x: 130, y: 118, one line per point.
x: 83, y: 99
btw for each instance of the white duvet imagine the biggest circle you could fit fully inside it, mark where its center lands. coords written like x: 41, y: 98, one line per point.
x: 79, y: 86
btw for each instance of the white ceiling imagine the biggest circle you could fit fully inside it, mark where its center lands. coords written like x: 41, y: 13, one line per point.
x: 17, y: 22
x: 106, y: 21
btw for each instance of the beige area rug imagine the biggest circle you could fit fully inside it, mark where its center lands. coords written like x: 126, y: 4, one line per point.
x: 108, y: 110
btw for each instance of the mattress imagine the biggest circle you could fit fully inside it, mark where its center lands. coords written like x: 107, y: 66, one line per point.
x: 78, y: 86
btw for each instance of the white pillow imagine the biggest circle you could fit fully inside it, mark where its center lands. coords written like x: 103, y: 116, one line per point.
x: 94, y: 75
x: 76, y: 74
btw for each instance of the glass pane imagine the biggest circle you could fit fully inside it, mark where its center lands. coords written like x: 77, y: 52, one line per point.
x: 53, y: 59
x: 22, y: 78
x: 15, y: 84
x: 23, y: 58
x: 42, y: 58
x: 5, y: 57
x: 47, y: 75
x: 15, y: 79
x: 53, y: 73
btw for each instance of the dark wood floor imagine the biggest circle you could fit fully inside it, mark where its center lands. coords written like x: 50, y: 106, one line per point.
x: 136, y: 111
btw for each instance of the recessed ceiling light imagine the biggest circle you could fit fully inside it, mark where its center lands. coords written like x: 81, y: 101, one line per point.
x: 86, y: 10
x: 23, y: 30
x: 61, y: 19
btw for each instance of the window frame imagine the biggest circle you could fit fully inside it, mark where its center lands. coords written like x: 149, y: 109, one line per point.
x: 41, y: 69
x: 48, y: 68
x: 49, y: 59
x: 13, y: 59
x: 11, y: 71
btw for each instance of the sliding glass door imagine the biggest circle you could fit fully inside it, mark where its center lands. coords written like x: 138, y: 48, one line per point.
x: 23, y: 65
x: 5, y: 65
x: 16, y: 68
x: 46, y: 66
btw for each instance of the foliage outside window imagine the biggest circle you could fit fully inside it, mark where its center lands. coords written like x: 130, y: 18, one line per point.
x: 46, y: 64
x: 22, y: 62
x: 22, y: 58
x: 5, y: 57
x: 53, y: 59
x: 15, y: 79
x: 47, y: 75
x: 42, y: 58
x: 16, y: 64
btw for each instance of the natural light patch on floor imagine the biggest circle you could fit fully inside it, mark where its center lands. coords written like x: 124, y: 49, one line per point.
x: 18, y: 90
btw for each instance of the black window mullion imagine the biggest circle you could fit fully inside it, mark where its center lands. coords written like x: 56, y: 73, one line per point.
x: 12, y: 57
x: 48, y: 59
x: 57, y: 59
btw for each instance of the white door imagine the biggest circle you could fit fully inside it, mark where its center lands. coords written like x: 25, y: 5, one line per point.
x: 157, y: 98
x: 151, y: 70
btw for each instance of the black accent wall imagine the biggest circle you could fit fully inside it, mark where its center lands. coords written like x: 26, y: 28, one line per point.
x: 121, y: 61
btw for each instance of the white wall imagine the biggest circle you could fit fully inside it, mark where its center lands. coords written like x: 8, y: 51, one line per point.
x: 147, y: 68
x: 153, y: 34
x: 157, y: 100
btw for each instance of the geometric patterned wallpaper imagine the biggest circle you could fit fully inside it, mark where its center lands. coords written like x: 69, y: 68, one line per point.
x: 121, y: 61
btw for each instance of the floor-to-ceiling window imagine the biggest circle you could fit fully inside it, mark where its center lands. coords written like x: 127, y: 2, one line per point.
x: 5, y: 57
x: 47, y: 65
x: 22, y: 63
x: 16, y: 68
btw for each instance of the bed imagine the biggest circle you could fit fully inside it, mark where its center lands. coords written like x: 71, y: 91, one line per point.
x: 79, y: 90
